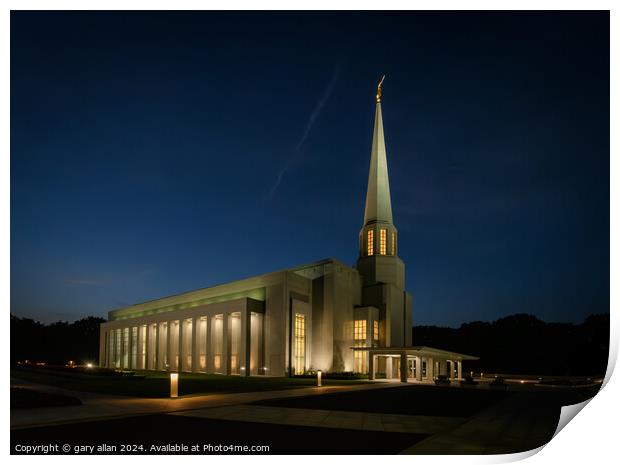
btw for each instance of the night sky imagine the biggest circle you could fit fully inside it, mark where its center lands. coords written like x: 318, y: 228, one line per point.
x: 156, y: 153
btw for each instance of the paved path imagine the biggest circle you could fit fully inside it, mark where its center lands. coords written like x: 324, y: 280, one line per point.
x: 100, y: 406
x: 417, y: 424
x: 521, y: 422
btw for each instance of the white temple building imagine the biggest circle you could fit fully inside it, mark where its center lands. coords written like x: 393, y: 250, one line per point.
x: 324, y: 315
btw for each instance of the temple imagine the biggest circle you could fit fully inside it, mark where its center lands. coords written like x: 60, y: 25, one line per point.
x: 324, y: 315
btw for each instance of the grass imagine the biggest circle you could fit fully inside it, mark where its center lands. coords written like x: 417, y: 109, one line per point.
x: 30, y: 398
x: 157, y: 384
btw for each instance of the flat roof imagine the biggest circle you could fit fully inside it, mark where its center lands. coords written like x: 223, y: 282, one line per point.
x: 417, y: 350
x: 249, y: 287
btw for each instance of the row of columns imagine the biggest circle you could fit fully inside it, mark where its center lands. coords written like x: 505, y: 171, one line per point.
x: 150, y: 356
x: 431, y: 367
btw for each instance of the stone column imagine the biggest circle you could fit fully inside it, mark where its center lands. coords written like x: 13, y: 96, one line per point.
x: 388, y: 367
x: 430, y: 369
x: 147, y: 350
x: 459, y: 369
x: 244, y: 343
x: 156, y: 359
x: 195, y: 346
x: 168, y: 360
x: 403, y: 367
x: 180, y: 352
x: 209, y: 346
x: 418, y: 368
x: 371, y: 366
x: 450, y: 369
x: 225, y: 362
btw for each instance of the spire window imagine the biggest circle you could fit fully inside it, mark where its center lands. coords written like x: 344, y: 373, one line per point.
x: 370, y: 247
x: 383, y: 242
x: 393, y: 243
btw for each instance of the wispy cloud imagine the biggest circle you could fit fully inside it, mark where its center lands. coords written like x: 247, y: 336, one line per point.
x: 318, y: 108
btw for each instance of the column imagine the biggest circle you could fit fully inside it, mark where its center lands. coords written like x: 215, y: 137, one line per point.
x: 195, y: 344
x: 225, y: 350
x: 168, y: 360
x: 430, y: 369
x: 209, y: 342
x: 371, y: 366
x: 388, y: 367
x: 244, y: 343
x: 403, y: 367
x: 450, y: 369
x: 418, y: 368
x: 459, y: 369
x: 180, y: 354
x: 156, y: 361
x: 147, y: 358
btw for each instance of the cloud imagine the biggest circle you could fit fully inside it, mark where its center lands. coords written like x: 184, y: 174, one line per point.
x: 318, y: 108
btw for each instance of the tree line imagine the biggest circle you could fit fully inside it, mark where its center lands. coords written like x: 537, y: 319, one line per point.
x: 519, y: 344
x: 523, y: 344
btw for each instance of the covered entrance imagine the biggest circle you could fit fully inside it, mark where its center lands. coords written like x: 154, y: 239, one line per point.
x: 414, y: 364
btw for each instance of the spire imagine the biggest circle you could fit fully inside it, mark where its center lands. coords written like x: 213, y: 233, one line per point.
x: 378, y: 202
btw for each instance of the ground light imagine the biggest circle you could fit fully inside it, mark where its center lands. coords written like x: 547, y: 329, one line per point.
x: 174, y: 385
x: 318, y: 378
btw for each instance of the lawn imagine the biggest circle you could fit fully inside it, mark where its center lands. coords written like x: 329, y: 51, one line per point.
x: 30, y: 398
x: 157, y: 384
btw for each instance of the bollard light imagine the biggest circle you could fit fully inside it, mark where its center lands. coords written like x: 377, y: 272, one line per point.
x: 318, y: 378
x: 174, y: 385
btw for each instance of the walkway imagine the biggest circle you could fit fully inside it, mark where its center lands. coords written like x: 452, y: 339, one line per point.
x: 416, y: 424
x: 101, y: 406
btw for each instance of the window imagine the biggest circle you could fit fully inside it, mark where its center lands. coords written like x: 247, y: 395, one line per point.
x: 383, y: 241
x: 371, y: 242
x: 300, y: 343
x: 359, y: 330
x: 359, y: 356
x: 393, y: 243
x: 375, y: 331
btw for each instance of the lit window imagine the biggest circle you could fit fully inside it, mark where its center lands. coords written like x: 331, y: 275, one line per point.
x: 359, y: 356
x: 300, y: 343
x: 393, y: 243
x: 359, y: 330
x: 375, y: 330
x: 371, y: 242
x: 383, y: 241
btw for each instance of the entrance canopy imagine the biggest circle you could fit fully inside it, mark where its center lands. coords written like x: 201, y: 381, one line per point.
x: 416, y: 362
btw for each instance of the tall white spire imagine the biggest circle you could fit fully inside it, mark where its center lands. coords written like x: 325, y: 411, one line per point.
x: 378, y: 202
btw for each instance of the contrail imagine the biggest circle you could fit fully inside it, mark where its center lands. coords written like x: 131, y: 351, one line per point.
x: 313, y: 116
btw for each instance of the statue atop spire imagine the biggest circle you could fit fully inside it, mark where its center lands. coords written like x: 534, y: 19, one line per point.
x: 379, y: 88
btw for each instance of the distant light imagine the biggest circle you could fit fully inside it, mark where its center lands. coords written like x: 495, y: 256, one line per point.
x: 318, y: 378
x: 243, y: 368
x: 89, y: 365
x: 522, y: 381
x: 174, y: 385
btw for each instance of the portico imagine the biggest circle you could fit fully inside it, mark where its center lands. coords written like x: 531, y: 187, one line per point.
x: 417, y: 363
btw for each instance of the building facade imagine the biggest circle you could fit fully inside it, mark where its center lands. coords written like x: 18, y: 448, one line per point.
x: 321, y: 316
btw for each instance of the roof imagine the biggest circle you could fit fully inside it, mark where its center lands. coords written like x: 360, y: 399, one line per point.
x: 418, y: 350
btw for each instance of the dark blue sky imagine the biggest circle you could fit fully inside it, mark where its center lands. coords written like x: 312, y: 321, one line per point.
x: 155, y: 153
